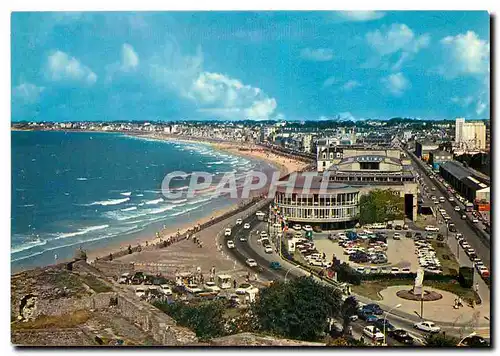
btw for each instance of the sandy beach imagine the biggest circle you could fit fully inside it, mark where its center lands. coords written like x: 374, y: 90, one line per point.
x: 284, y: 164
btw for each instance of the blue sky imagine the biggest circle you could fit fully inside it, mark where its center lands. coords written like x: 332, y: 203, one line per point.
x: 257, y: 65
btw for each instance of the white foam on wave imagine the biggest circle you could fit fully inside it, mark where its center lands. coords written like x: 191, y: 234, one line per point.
x: 139, y: 195
x: 80, y: 232
x: 127, y: 194
x: 179, y: 201
x: 28, y: 245
x: 26, y: 205
x: 129, y: 209
x: 110, y: 202
x: 154, y: 202
x: 82, y: 178
x: 216, y: 162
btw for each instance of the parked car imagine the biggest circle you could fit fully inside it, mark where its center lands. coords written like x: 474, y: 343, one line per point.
x: 227, y: 232
x: 373, y: 333
x: 374, y: 308
x: 212, y: 287
x: 402, y: 336
x: 431, y: 228
x: 307, y: 228
x: 268, y: 249
x: 275, y: 265
x: 367, y: 316
x: 474, y: 341
x: 251, y: 262
x: 457, y: 208
x: 140, y: 292
x: 380, y: 324
x: 427, y: 326
x: 243, y: 238
x: 124, y: 278
x: 166, y: 289
x: 297, y: 227
x: 239, y: 221
x: 246, y: 226
x: 230, y: 244
x: 193, y: 288
x: 243, y: 288
x: 409, y: 234
x: 394, y: 270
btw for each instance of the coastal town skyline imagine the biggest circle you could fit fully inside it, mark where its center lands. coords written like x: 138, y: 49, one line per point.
x: 251, y: 65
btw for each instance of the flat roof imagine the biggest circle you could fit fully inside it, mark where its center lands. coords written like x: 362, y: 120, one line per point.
x: 465, y: 175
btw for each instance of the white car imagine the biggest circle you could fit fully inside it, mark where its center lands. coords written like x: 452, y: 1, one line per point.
x: 373, y: 333
x: 227, y: 232
x: 268, y: 249
x: 397, y: 236
x: 239, y: 221
x: 243, y: 288
x: 124, y: 278
x: 165, y: 289
x: 243, y: 238
x: 475, y: 220
x: 246, y: 226
x: 308, y: 228
x: 230, y: 244
x: 457, y: 208
x: 451, y: 199
x: 251, y: 262
x: 394, y: 270
x: 297, y: 227
x: 431, y: 228
x: 263, y: 235
x: 140, y: 292
x: 427, y: 326
x: 193, y: 288
x: 212, y: 287
x: 459, y: 235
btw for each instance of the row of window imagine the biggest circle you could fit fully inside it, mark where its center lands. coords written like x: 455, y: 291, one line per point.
x: 348, y: 213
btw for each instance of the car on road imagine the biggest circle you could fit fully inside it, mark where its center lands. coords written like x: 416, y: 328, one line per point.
x: 402, y: 336
x: 427, y: 326
x: 394, y: 270
x: 230, y: 244
x: 374, y: 308
x: 409, y: 234
x: 475, y: 220
x: 212, y: 287
x: 297, y: 227
x: 483, y: 271
x: 464, y: 216
x: 193, y: 288
x: 368, y: 316
x: 397, y: 236
x: 140, y: 292
x: 307, y: 228
x: 373, y: 333
x: 431, y: 228
x: 251, y: 262
x: 451, y: 199
x: 268, y: 249
x: 380, y: 324
x: 458, y: 236
x: 275, y: 265
x: 433, y: 188
x: 165, y: 289
x: 246, y: 226
x: 243, y: 238
x: 457, y: 208
x: 227, y: 232
x: 239, y: 221
x: 263, y: 235
x: 405, y: 270
x: 124, y: 278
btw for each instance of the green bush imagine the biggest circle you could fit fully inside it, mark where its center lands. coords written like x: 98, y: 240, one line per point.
x: 466, y: 277
x: 347, y: 274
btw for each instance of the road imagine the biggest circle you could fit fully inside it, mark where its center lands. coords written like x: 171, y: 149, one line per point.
x: 253, y: 249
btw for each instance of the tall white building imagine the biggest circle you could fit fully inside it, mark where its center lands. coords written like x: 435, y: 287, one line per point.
x: 470, y: 135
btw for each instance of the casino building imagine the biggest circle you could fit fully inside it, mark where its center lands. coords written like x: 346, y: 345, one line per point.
x: 332, y: 200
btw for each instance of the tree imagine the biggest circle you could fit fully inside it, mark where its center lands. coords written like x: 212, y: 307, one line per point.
x: 298, y: 309
x: 440, y: 340
x: 380, y: 205
x: 205, y: 318
x: 349, y: 308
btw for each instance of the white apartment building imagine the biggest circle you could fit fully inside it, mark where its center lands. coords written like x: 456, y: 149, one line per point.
x: 470, y: 135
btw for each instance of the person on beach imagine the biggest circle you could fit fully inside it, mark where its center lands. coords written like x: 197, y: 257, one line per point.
x: 234, y: 283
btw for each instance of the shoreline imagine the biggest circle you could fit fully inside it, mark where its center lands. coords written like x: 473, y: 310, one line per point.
x: 284, y: 164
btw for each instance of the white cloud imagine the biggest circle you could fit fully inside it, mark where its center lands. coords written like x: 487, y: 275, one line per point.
x: 130, y: 59
x: 62, y: 67
x: 396, y: 83
x: 464, y: 102
x: 329, y: 82
x: 361, y: 15
x: 350, y: 85
x: 465, y: 54
x: 27, y: 92
x: 397, y: 39
x: 218, y: 93
x: 317, y: 55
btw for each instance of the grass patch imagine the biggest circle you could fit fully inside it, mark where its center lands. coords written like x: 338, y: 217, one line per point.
x: 371, y: 289
x: 442, y: 251
x: 95, y: 284
x: 54, y: 321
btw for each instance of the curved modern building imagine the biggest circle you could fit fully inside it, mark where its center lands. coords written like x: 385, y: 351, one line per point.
x: 331, y: 198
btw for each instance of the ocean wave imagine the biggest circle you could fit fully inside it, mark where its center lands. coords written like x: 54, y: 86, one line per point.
x: 139, y: 195
x: 127, y: 194
x: 154, y: 202
x: 26, y: 206
x: 82, y: 178
x: 110, y: 202
x: 178, y: 201
x: 27, y: 246
x: 129, y: 209
x: 216, y: 162
x: 80, y: 232
x: 186, y: 187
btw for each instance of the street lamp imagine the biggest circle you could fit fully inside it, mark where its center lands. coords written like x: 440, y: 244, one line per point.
x: 385, y: 318
x: 286, y: 274
x: 465, y: 337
